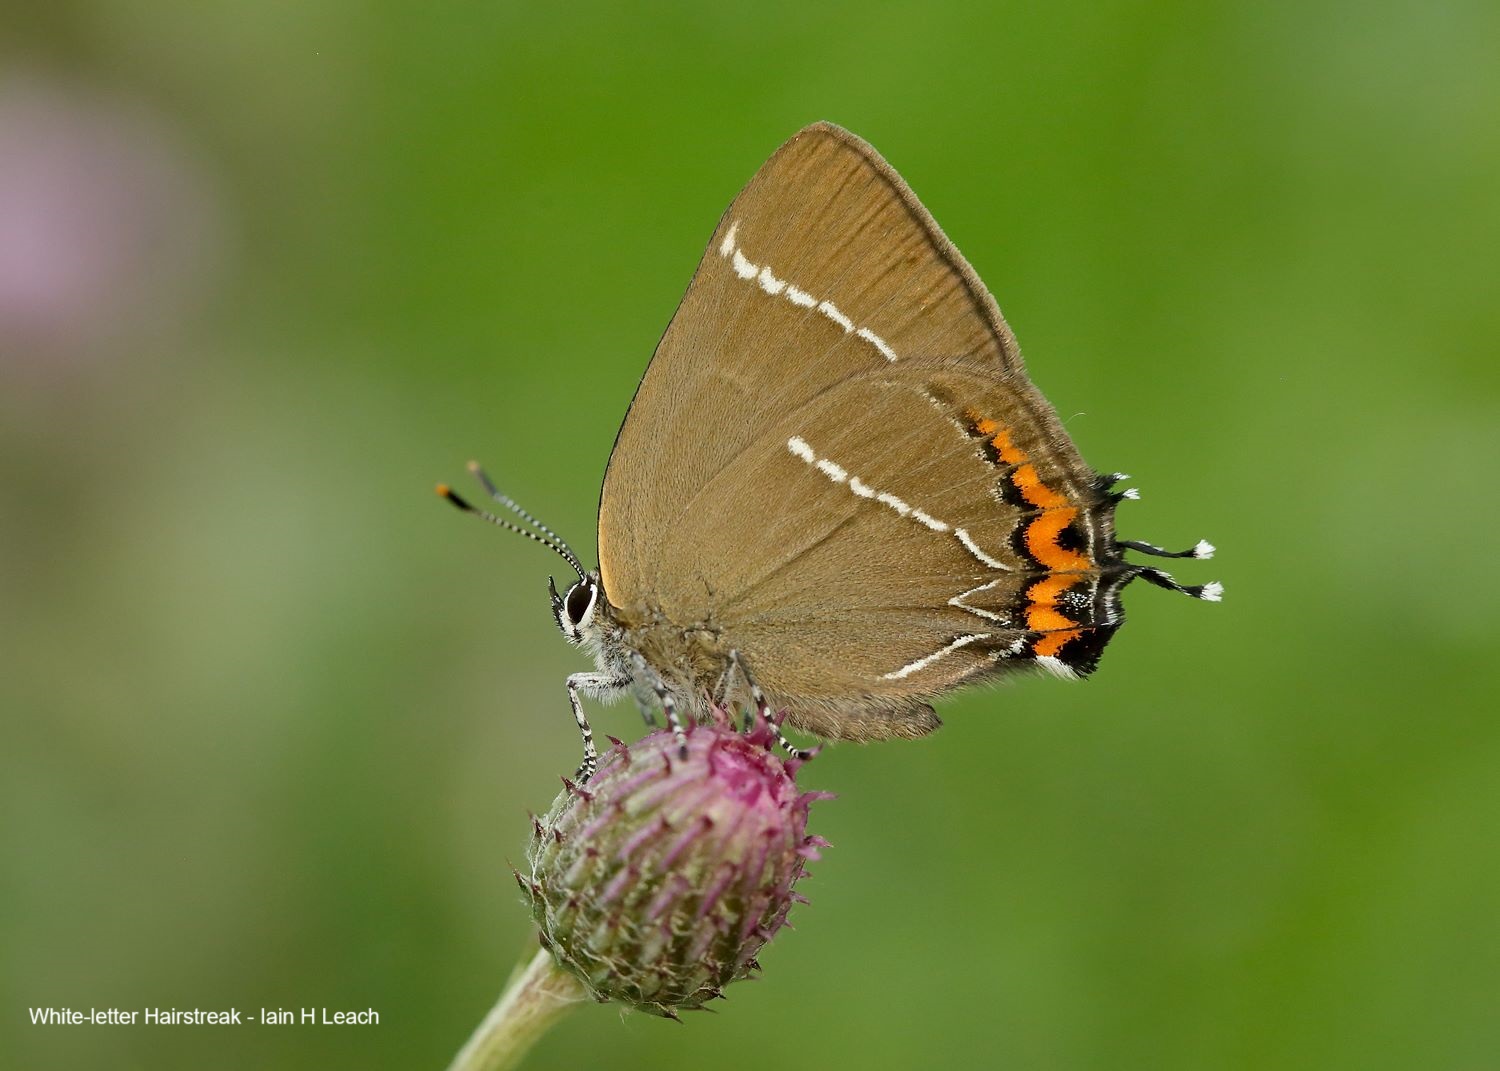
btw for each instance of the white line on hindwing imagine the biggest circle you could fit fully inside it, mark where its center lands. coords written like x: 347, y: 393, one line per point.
x: 958, y: 601
x: 927, y: 660
x: 838, y: 474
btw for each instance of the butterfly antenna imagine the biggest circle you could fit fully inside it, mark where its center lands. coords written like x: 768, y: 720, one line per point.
x: 514, y: 506
x: 554, y: 544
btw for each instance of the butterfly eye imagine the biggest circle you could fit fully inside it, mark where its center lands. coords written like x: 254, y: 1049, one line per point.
x: 580, y: 600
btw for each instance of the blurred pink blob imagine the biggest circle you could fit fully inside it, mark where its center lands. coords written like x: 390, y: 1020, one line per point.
x: 106, y: 229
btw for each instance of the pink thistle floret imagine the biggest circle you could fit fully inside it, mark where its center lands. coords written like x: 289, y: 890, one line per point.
x: 659, y: 882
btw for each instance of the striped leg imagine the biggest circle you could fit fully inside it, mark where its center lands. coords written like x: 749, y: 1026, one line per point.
x: 668, y: 705
x: 758, y: 698
x: 594, y: 684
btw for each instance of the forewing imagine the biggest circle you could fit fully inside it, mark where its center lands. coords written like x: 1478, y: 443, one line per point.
x: 825, y: 266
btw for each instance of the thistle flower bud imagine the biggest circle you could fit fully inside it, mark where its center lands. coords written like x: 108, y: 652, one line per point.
x: 658, y: 882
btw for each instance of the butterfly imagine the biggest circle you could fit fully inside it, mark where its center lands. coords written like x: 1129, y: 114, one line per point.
x: 836, y: 494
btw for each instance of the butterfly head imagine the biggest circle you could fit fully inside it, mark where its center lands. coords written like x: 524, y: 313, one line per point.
x: 575, y: 610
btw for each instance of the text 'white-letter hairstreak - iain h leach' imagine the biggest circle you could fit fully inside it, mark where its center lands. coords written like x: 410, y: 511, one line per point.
x: 836, y: 495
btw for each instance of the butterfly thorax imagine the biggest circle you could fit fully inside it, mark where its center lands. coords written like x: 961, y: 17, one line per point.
x: 690, y: 660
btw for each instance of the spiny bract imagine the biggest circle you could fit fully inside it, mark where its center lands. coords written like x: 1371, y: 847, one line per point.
x: 659, y: 881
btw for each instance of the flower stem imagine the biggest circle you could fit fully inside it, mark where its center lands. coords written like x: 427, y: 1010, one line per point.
x: 535, y: 997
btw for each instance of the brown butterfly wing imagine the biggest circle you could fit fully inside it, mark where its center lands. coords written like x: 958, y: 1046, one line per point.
x: 834, y: 451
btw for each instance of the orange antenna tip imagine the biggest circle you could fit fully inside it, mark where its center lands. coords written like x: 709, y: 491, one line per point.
x: 444, y: 490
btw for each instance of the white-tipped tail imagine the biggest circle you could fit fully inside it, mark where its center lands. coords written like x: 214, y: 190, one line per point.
x: 1203, y: 549
x: 1213, y: 591
x: 1131, y: 492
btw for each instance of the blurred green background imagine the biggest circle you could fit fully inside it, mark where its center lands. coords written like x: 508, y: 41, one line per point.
x: 273, y: 715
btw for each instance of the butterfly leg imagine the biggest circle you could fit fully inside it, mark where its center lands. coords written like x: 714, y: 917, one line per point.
x: 594, y: 684
x: 644, y: 672
x: 761, y: 707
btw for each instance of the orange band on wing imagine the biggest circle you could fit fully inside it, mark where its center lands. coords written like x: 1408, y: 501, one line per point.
x: 1029, y: 482
x: 1049, y: 645
x: 1009, y: 452
x: 1042, y: 615
x: 1042, y: 538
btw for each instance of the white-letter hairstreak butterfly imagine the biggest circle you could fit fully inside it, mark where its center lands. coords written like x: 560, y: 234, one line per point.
x: 836, y: 493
